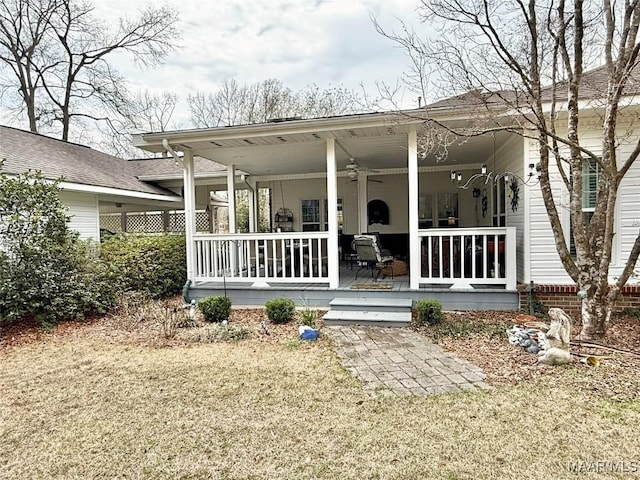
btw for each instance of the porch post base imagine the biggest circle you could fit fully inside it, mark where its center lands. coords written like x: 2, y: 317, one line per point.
x: 461, y: 284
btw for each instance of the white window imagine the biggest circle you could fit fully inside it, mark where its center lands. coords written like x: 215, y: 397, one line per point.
x: 313, y: 217
x: 310, y: 215
x: 425, y: 211
x: 590, y: 178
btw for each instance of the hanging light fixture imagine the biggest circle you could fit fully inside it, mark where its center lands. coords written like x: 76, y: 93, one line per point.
x: 486, y: 176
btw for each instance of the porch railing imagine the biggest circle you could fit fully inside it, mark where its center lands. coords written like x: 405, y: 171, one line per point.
x: 262, y: 257
x: 464, y: 257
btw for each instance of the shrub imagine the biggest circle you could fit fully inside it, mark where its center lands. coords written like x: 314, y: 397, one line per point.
x: 215, y: 309
x: 429, y: 311
x: 280, y: 310
x: 153, y: 265
x: 308, y: 316
x: 217, y: 333
x: 46, y: 271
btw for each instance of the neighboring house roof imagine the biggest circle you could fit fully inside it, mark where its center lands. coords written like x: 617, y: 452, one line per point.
x: 158, y: 168
x: 77, y: 164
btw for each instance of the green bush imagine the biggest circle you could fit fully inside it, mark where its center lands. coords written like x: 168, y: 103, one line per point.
x: 308, y: 316
x: 429, y: 311
x: 215, y: 309
x: 280, y: 310
x: 217, y: 333
x: 46, y: 271
x: 153, y: 265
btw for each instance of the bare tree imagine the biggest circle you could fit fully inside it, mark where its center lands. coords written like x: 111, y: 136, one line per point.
x: 58, y: 53
x: 143, y: 112
x: 533, y: 59
x: 237, y: 104
x: 24, y: 25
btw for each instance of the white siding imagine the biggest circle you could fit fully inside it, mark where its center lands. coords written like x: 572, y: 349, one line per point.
x: 514, y: 161
x: 392, y: 190
x: 288, y: 193
x: 628, y: 209
x: 82, y: 208
x: 546, y: 266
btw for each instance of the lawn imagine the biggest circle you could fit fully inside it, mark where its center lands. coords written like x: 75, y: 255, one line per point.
x: 88, y: 404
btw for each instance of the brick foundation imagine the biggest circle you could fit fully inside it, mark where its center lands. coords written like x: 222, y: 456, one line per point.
x: 566, y: 298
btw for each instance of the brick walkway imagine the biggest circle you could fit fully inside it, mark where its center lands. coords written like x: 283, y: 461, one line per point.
x: 398, y: 361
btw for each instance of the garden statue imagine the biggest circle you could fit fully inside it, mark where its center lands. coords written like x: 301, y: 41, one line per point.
x: 556, y: 351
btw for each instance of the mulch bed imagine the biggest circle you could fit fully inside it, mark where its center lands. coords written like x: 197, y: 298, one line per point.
x: 617, y: 376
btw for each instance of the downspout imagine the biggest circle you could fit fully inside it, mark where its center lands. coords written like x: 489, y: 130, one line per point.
x: 179, y: 162
x: 168, y: 148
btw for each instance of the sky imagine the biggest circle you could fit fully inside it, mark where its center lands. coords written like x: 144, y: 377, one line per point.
x: 299, y: 42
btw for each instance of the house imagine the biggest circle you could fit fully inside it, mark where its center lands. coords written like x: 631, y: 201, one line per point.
x: 469, y: 221
x: 92, y: 181
x: 466, y: 216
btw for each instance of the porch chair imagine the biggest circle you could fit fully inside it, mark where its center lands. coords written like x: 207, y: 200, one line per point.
x: 369, y: 256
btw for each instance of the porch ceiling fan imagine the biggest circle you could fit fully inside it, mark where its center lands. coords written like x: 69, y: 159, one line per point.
x: 354, y: 169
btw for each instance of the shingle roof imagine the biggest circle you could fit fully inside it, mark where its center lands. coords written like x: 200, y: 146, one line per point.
x: 593, y: 86
x: 22, y: 150
x: 167, y: 167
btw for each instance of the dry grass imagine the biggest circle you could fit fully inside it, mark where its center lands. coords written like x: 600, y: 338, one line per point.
x: 91, y: 405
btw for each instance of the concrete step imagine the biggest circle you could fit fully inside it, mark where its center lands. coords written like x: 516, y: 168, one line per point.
x: 370, y: 318
x: 371, y: 304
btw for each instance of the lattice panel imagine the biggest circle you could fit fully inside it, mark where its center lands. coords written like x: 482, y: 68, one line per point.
x: 176, y: 222
x: 202, y: 222
x: 153, y: 222
x: 145, y: 222
x: 111, y: 223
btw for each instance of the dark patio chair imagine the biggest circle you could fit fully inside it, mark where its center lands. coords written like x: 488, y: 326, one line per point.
x: 369, y: 256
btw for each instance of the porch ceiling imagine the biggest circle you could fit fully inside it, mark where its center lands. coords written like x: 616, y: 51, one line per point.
x: 303, y: 151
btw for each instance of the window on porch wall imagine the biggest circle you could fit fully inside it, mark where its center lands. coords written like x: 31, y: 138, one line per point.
x: 312, y: 217
x: 590, y: 179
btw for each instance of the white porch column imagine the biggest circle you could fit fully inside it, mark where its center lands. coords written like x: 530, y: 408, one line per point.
x: 231, y: 197
x: 189, y: 212
x: 510, y: 262
x: 332, y: 221
x: 363, y: 197
x: 253, y: 205
x: 414, y: 241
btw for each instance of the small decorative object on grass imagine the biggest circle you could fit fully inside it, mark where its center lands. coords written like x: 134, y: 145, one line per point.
x: 193, y: 308
x: 307, y: 333
x: 531, y: 339
x: 591, y: 360
x: 558, y: 338
x: 265, y: 329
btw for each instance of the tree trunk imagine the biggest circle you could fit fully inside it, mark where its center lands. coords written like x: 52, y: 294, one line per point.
x: 596, y: 313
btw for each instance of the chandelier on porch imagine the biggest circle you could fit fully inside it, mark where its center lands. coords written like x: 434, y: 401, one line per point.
x: 458, y: 180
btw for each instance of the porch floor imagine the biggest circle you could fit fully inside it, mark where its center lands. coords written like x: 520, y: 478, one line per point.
x: 319, y: 295
x: 348, y: 281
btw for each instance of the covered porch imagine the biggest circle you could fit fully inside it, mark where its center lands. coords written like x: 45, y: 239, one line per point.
x: 323, y: 176
x: 451, y: 258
